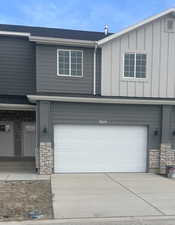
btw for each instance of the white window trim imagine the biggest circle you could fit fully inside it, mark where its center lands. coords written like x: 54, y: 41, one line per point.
x: 69, y: 75
x: 134, y: 78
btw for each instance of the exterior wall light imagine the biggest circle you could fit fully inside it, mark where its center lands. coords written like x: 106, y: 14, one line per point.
x: 44, y: 130
x: 156, y: 132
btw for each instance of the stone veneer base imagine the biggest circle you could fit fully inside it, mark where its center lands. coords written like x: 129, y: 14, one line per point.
x: 46, y: 158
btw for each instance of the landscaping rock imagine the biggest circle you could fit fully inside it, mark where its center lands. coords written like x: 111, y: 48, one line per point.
x: 22, y: 200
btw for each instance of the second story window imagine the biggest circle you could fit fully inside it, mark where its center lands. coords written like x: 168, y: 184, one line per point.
x: 134, y: 65
x: 70, y: 63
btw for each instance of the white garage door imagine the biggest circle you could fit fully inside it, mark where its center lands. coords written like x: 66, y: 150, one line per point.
x: 89, y: 148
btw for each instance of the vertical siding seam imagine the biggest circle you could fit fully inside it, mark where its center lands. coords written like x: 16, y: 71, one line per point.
x: 144, y: 41
x: 128, y: 41
x: 136, y: 39
x: 167, y: 66
x: 127, y: 91
x: 111, y: 87
x: 136, y: 46
x: 144, y: 46
x: 160, y: 52
x: 151, y: 61
x: 119, y: 64
x: 174, y: 89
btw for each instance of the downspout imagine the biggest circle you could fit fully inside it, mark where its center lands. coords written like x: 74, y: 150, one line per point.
x: 94, y: 86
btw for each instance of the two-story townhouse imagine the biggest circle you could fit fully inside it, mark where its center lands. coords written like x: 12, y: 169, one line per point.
x: 78, y: 101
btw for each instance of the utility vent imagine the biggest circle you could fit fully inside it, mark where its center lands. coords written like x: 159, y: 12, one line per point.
x: 170, y: 25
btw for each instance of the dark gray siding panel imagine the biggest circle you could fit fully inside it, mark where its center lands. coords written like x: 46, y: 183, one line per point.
x: 74, y: 113
x: 44, y: 120
x: 17, y: 66
x: 47, y: 79
x: 172, y: 125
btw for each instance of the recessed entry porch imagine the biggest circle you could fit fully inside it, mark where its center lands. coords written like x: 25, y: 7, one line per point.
x: 17, y: 141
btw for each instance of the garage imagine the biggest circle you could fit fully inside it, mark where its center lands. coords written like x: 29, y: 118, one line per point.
x: 99, y: 148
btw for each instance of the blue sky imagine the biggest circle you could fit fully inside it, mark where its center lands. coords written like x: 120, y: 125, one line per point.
x: 80, y: 14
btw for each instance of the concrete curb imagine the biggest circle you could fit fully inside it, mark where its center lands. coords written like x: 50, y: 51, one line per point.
x: 88, y: 220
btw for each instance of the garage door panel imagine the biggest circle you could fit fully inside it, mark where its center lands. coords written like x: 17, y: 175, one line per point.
x: 86, y: 148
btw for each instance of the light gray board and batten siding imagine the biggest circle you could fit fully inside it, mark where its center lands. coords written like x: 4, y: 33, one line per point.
x: 46, y: 72
x: 159, y: 47
x: 80, y: 113
x: 17, y: 66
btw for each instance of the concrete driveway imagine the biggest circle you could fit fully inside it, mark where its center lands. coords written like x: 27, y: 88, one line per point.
x: 106, y: 195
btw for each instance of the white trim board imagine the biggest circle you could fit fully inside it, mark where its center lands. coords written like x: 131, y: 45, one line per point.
x: 148, y: 20
x: 62, y: 41
x: 54, y: 41
x: 34, y: 98
x: 14, y: 33
x: 21, y: 107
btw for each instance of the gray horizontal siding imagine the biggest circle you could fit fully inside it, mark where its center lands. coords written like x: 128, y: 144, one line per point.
x: 17, y: 66
x: 46, y: 70
x: 75, y: 113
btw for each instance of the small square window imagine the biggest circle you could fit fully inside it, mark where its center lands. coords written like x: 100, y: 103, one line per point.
x: 134, y: 65
x: 70, y: 63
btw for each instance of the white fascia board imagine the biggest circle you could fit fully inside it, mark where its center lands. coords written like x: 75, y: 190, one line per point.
x: 71, y: 42
x: 150, y: 19
x: 47, y: 40
x: 34, y: 98
x: 11, y: 33
x: 21, y: 107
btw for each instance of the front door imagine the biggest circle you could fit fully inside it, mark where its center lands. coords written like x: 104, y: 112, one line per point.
x: 6, y: 139
x: 29, y: 139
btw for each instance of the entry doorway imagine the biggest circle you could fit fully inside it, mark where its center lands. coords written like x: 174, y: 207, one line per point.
x: 29, y: 138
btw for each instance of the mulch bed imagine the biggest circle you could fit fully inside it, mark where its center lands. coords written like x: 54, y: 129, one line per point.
x: 24, y: 200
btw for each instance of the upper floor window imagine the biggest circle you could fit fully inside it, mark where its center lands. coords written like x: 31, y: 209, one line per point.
x: 135, y: 65
x: 69, y: 63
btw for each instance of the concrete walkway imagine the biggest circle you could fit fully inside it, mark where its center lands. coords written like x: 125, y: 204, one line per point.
x: 19, y: 170
x: 21, y: 175
x: 112, y: 195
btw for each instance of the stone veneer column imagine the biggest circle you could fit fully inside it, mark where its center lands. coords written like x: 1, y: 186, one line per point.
x: 167, y: 157
x: 154, y: 160
x: 46, y: 158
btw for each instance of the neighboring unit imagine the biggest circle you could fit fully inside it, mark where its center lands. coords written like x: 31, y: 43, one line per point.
x: 79, y: 101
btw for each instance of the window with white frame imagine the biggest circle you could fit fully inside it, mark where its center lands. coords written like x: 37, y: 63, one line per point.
x: 134, y: 65
x: 69, y: 63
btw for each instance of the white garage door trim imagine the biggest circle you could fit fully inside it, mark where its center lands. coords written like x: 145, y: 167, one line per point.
x: 97, y: 148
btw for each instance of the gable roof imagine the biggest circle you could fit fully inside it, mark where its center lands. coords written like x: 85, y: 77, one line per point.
x: 148, y: 20
x: 54, y: 32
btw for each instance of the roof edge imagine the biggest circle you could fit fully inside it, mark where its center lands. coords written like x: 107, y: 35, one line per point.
x: 48, y: 40
x: 34, y: 98
x: 20, y: 107
x: 14, y: 33
x: 133, y: 27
